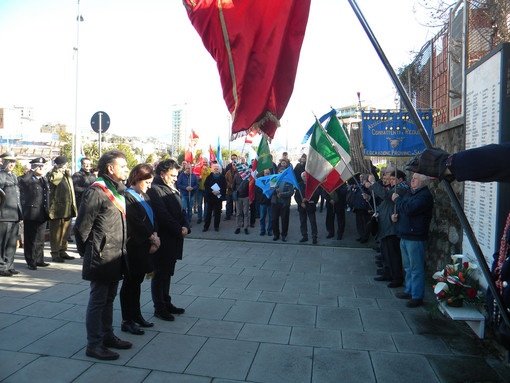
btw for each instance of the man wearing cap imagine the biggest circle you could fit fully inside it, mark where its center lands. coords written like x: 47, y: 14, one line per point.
x: 34, y: 192
x: 82, y: 179
x: 62, y: 208
x: 10, y: 215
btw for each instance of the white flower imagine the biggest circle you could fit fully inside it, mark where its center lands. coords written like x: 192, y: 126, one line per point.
x: 473, y: 266
x: 457, y: 257
x: 440, y: 287
x: 438, y: 274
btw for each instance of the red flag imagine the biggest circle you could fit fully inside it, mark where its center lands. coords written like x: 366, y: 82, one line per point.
x: 194, y: 136
x: 188, y: 156
x: 197, y: 169
x: 212, y: 157
x: 249, y: 137
x: 256, y: 45
x: 251, y: 185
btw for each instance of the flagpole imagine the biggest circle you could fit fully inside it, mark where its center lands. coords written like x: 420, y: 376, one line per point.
x: 428, y: 144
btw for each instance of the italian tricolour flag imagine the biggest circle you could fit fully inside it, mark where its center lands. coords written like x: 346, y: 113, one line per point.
x: 324, y: 165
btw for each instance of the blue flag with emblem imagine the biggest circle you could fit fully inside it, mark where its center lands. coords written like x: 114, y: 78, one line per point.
x: 269, y: 183
x: 393, y: 134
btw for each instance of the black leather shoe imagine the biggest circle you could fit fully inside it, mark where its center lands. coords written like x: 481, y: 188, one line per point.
x: 13, y: 271
x: 262, y: 233
x: 330, y: 235
x: 314, y: 241
x: 276, y: 238
x: 204, y: 229
x: 246, y: 231
x: 216, y: 229
x: 237, y: 231
x: 392, y: 285
x: 382, y: 278
x: 284, y: 238
x: 44, y: 264
x: 5, y: 273
x: 199, y: 221
x: 175, y: 310
x: 142, y: 322
x: 117, y: 343
x: 132, y: 327
x: 66, y: 256
x: 58, y: 259
x: 102, y: 353
x: 164, y: 316
x: 339, y: 237
x: 304, y: 239
x: 31, y: 267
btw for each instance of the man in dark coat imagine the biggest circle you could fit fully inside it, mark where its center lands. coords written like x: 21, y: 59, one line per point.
x: 172, y: 228
x: 10, y: 215
x: 215, y: 187
x: 100, y: 232
x: 306, y: 210
x: 414, y: 213
x: 34, y: 192
x: 62, y: 208
x: 82, y: 179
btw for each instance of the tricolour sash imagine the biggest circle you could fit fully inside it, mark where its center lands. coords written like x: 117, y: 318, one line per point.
x: 117, y: 199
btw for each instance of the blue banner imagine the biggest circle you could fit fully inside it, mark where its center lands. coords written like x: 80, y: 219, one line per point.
x: 393, y: 134
x: 269, y: 183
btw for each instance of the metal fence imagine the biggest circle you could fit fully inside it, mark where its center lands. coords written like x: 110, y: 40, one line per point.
x: 435, y: 78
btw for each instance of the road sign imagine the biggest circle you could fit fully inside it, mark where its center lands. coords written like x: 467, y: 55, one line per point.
x: 100, y: 122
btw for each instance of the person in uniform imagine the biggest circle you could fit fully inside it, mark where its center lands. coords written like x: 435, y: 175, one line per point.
x: 10, y: 215
x: 34, y: 192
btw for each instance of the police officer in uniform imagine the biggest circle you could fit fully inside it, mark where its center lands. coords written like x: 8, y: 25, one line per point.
x: 34, y: 190
x: 10, y: 215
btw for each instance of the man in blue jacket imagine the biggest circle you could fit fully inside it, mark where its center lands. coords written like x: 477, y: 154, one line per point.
x: 187, y: 184
x: 414, y: 212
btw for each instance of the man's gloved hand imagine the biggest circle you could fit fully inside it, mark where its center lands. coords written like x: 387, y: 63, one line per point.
x: 431, y: 162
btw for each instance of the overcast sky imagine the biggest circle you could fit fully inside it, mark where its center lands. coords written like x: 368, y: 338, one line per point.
x: 139, y: 58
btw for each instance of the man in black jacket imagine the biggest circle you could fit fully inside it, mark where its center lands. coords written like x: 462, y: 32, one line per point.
x: 34, y: 191
x: 100, y: 231
x: 82, y: 179
x: 215, y: 186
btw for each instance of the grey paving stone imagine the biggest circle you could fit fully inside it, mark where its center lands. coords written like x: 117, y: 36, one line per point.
x: 197, y: 268
x: 402, y: 368
x: 11, y: 361
x: 333, y: 365
x: 42, y: 370
x: 266, y: 284
x: 394, y: 304
x: 221, y: 261
x: 232, y: 281
x: 250, y: 312
x: 44, y: 309
x: 158, y: 355
x: 301, y: 287
x: 306, y: 267
x: 289, y: 275
x: 8, y: 319
x: 265, y: 333
x: 216, y: 329
x: 76, y: 314
x: 59, y: 292
x: 277, y: 266
x: 204, y: 291
x: 179, y: 300
x: 367, y: 291
x: 278, y: 297
x: 376, y: 341
x: 383, y: 320
x: 26, y: 331
x: 421, y: 344
x: 104, y: 373
x: 181, y: 325
x: 250, y: 263
x: 339, y: 318
x: 166, y: 377
x: 357, y: 302
x: 336, y: 288
x: 293, y: 315
x: 209, y: 308
x: 241, y: 294
x: 223, y: 358
x: 256, y: 272
x: 179, y: 288
x: 81, y: 298
x: 317, y: 337
x: 318, y: 300
x: 10, y: 305
x: 200, y: 279
x: 282, y: 364
x: 65, y: 341
x: 227, y: 270
x: 421, y: 323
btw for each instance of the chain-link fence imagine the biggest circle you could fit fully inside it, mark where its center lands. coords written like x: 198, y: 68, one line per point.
x: 435, y: 77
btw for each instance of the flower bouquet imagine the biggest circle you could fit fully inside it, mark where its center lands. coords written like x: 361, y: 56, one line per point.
x: 457, y: 283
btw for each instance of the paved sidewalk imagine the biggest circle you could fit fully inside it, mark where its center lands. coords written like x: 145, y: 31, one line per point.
x: 255, y: 312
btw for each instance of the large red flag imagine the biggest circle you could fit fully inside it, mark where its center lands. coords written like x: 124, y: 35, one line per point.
x: 256, y: 46
x: 212, y: 157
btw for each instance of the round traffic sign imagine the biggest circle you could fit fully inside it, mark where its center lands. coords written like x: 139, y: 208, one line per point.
x: 100, y: 120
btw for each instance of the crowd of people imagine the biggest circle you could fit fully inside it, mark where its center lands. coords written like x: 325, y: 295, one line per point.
x: 130, y: 224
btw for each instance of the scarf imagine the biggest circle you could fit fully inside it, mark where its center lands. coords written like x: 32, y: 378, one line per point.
x: 117, y: 199
x: 144, y: 203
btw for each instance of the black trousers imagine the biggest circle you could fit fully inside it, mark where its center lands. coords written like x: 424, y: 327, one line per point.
x: 362, y: 218
x: 130, y: 295
x: 390, y: 247
x: 164, y: 268
x: 8, y: 239
x: 33, y: 246
x: 253, y: 213
x: 309, y: 212
x: 213, y: 207
x: 277, y: 211
x: 337, y: 211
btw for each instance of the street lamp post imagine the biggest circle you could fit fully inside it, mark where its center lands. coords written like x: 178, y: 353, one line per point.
x: 76, y: 151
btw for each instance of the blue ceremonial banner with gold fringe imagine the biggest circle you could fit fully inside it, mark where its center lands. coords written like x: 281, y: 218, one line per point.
x: 393, y: 134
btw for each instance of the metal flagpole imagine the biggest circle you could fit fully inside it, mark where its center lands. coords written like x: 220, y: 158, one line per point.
x: 428, y: 144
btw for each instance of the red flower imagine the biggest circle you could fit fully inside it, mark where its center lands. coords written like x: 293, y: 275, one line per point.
x: 466, y: 265
x: 441, y: 295
x: 471, y: 293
